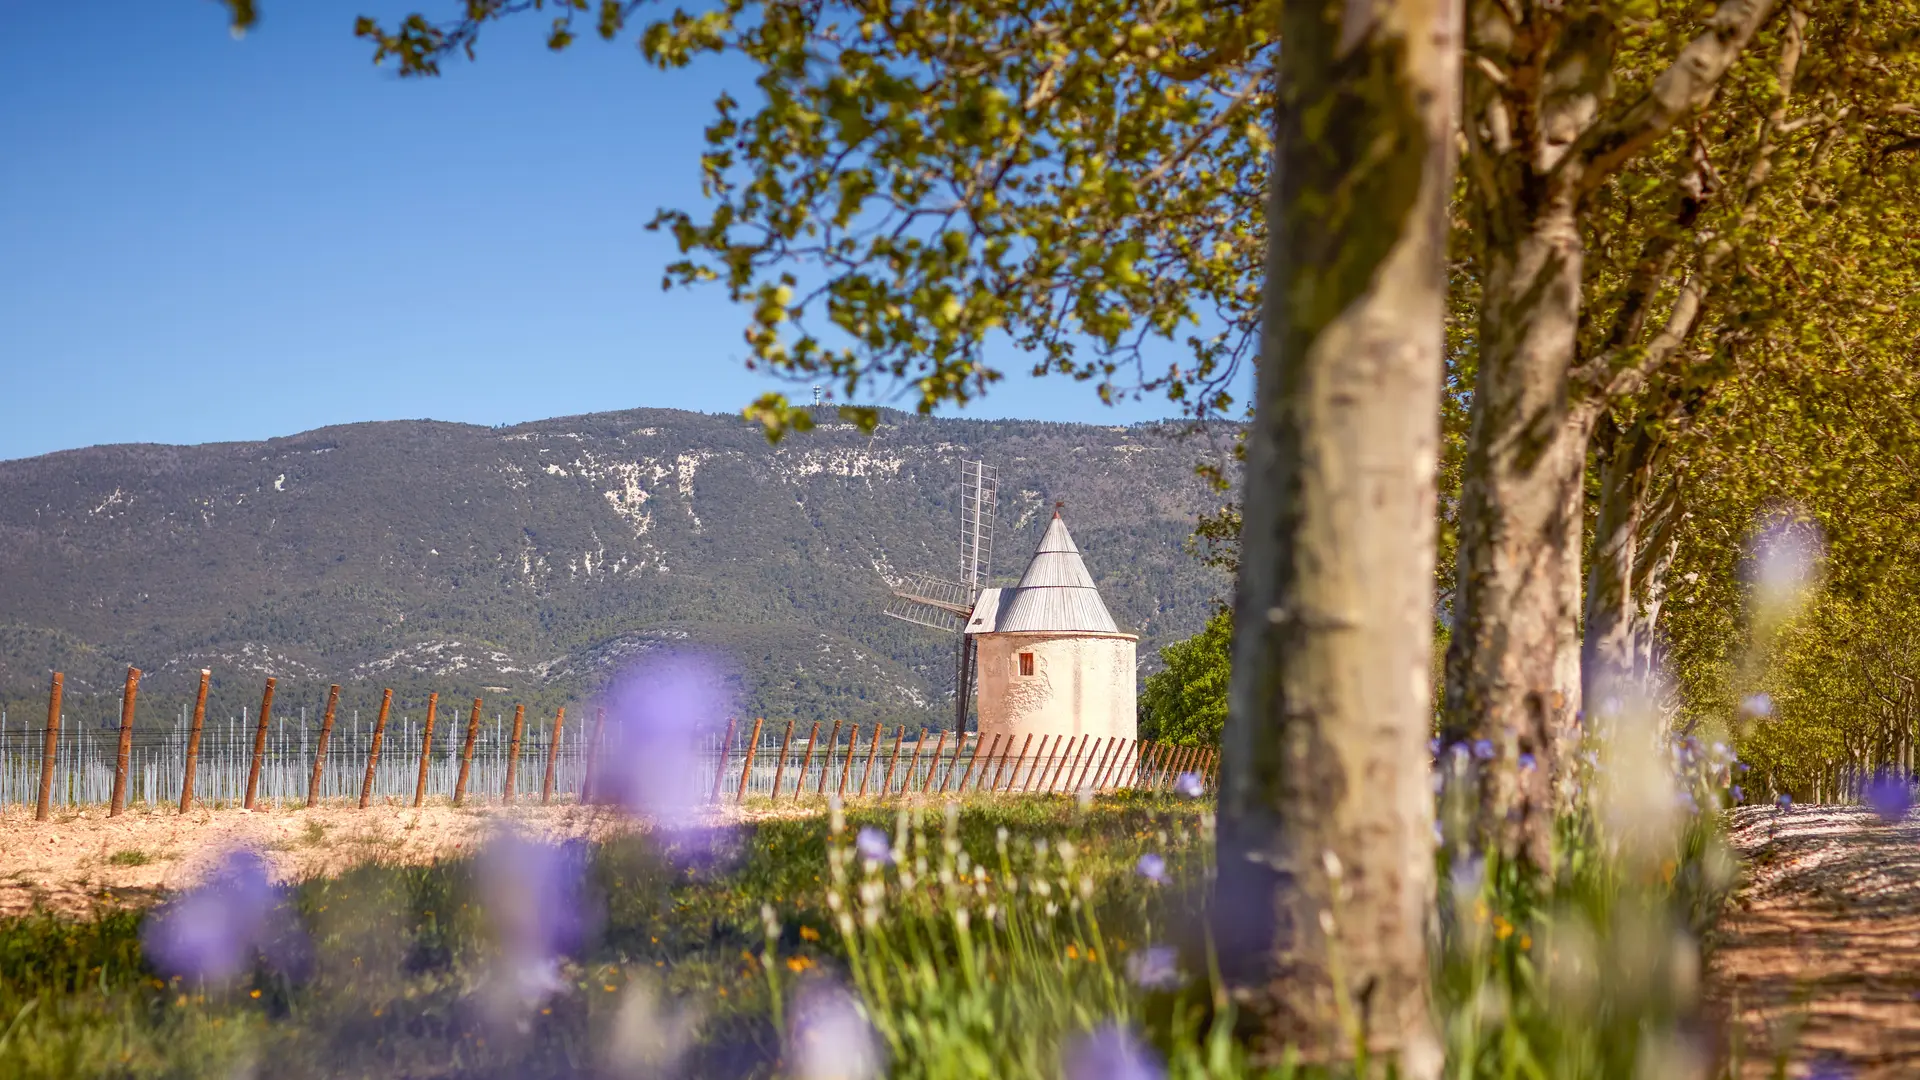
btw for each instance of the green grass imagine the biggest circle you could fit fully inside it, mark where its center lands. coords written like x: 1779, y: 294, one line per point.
x: 129, y: 857
x: 399, y: 959
x: 1586, y: 979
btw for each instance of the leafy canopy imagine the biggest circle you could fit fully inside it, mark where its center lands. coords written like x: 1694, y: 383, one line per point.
x: 1082, y: 177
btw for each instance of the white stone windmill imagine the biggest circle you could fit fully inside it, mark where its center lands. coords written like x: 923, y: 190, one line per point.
x: 940, y: 604
x: 1048, y: 655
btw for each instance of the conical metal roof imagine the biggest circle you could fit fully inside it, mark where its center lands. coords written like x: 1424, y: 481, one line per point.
x: 1055, y: 595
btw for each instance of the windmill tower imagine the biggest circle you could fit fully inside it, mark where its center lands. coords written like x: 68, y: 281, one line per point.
x: 947, y: 606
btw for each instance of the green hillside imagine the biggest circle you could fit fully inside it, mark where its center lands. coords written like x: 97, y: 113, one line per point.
x: 524, y: 563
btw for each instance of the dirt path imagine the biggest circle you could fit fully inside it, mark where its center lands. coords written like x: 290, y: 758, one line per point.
x: 1818, y: 956
x: 81, y: 860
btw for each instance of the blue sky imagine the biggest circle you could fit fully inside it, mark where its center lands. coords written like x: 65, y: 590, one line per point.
x: 205, y: 239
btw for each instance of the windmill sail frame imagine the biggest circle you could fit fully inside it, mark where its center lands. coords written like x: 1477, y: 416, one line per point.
x: 943, y: 605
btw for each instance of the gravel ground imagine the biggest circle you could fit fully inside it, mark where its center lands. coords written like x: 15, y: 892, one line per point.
x: 81, y: 860
x: 1818, y: 957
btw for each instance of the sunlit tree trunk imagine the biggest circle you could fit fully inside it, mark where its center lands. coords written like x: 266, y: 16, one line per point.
x: 1512, y: 667
x: 1544, y: 132
x: 1326, y: 849
x: 1611, y: 647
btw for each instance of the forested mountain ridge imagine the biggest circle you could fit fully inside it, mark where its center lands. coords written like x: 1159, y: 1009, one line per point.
x: 525, y: 562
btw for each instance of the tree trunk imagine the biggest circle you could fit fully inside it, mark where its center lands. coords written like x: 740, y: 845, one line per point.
x: 1512, y: 672
x: 1325, y: 839
x: 1610, y: 652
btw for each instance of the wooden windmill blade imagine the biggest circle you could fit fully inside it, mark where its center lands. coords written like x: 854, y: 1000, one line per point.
x: 931, y: 602
x: 947, y: 606
x: 979, y: 498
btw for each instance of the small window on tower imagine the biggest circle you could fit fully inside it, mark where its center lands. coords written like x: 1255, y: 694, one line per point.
x: 1026, y: 663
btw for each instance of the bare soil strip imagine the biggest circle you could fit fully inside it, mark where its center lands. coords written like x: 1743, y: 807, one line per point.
x: 1818, y: 956
x: 82, y: 860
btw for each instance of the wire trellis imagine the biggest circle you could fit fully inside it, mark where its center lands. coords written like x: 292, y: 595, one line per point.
x: 890, y: 766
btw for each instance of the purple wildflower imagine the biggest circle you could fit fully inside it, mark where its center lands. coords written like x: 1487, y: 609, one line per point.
x: 1483, y: 749
x: 1467, y: 875
x: 1156, y: 967
x: 1152, y: 867
x: 1527, y: 763
x: 874, y: 845
x: 1190, y: 785
x: 536, y: 897
x: 1829, y: 1068
x: 213, y: 930
x: 1433, y: 745
x: 1889, y: 794
x: 829, y: 1037
x: 1739, y: 793
x: 657, y: 713
x: 1111, y: 1053
x: 1784, y: 802
x: 1758, y: 705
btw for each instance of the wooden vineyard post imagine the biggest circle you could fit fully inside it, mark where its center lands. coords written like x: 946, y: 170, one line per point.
x: 1144, y: 768
x: 1106, y: 761
x: 594, y: 739
x: 939, y: 748
x: 193, y: 742
x: 872, y: 753
x: 1081, y: 780
x: 513, y: 754
x: 1100, y: 763
x: 466, y: 754
x: 800, y: 786
x: 1061, y: 765
x: 753, y: 747
x: 1089, y: 750
x: 1107, y: 768
x: 726, y: 751
x: 259, y: 744
x: 50, y: 750
x: 1163, y: 761
x: 373, y: 748
x: 981, y: 784
x: 979, y: 741
x: 919, y: 744
x: 1213, y: 768
x: 118, y: 801
x: 959, y: 747
x: 553, y: 755
x: 320, y: 747
x: 1166, y: 770
x: 1039, y: 762
x: 846, y: 770
x: 1005, y: 753
x: 426, y: 750
x: 995, y: 786
x: 780, y: 769
x: 899, y: 735
x: 1127, y: 749
x: 826, y: 764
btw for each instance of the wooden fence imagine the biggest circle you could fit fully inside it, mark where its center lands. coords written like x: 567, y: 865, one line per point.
x: 447, y: 752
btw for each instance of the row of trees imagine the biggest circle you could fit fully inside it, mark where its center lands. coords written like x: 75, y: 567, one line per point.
x: 1677, y: 241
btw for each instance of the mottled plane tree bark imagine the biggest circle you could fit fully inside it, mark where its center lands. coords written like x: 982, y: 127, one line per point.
x: 1325, y: 811
x: 1544, y: 132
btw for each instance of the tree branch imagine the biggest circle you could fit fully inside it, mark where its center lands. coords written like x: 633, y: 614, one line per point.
x: 1687, y: 84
